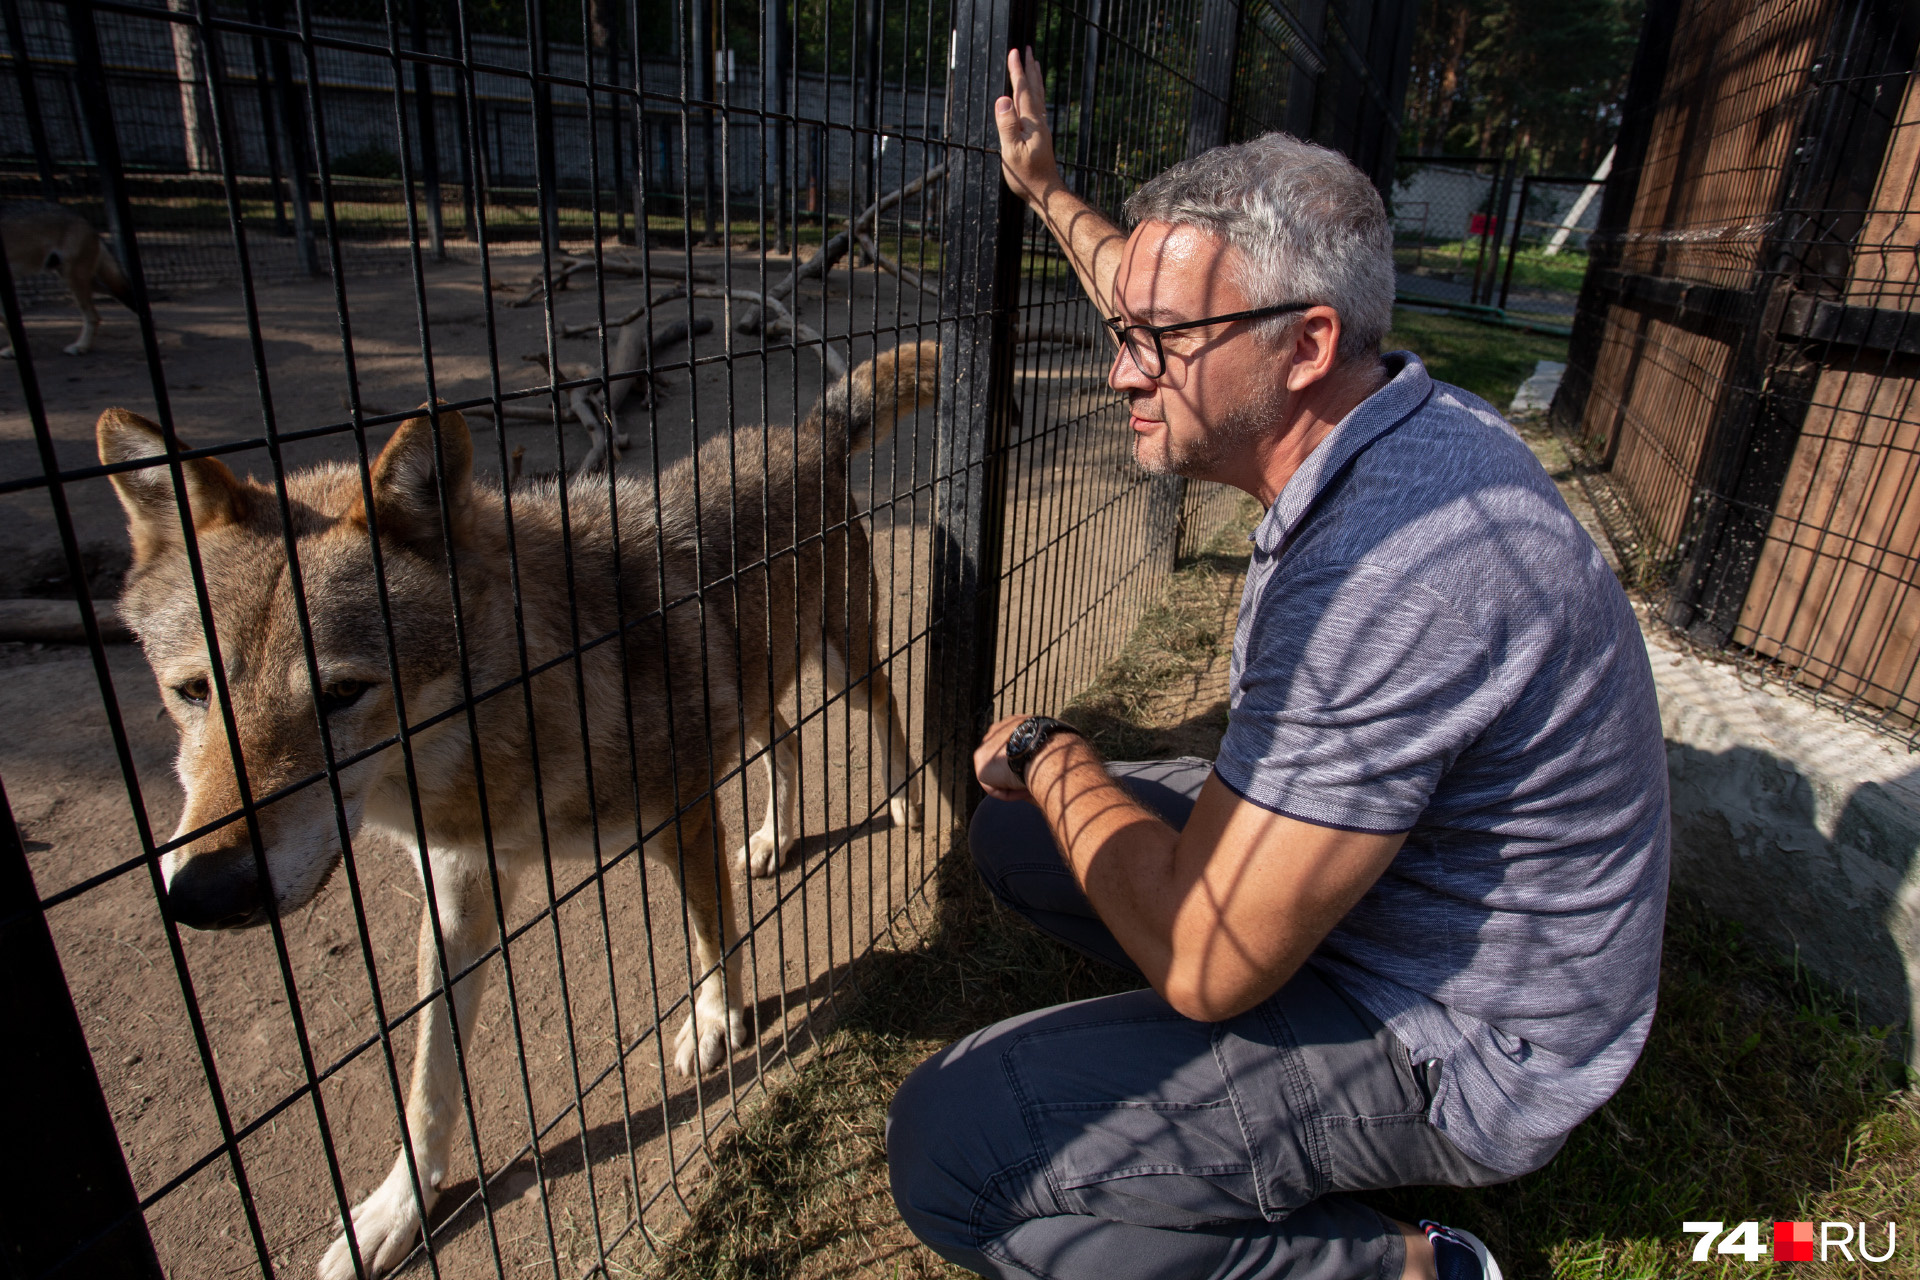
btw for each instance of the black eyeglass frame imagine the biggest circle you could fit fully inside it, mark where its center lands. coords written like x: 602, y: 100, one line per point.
x: 1120, y: 330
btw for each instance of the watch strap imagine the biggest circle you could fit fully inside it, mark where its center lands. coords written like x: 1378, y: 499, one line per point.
x: 1026, y: 740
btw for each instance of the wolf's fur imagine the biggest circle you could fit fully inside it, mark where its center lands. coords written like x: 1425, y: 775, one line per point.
x: 41, y: 236
x: 655, y: 729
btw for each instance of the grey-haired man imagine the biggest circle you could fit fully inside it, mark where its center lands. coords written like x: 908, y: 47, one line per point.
x: 1405, y: 930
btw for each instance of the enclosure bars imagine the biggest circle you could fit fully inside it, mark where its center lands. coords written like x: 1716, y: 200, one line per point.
x: 71, y: 1204
x: 1825, y: 195
x: 983, y: 223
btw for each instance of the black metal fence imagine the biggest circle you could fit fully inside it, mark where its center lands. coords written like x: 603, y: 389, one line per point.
x: 486, y: 704
x: 1742, y: 370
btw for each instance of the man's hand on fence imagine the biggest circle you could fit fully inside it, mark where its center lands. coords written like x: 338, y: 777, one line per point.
x: 1026, y: 144
x: 990, y: 765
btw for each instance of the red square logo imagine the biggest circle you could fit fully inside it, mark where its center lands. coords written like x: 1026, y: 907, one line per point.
x: 1793, y: 1242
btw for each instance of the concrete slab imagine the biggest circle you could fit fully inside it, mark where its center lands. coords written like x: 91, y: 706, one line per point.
x: 1798, y: 823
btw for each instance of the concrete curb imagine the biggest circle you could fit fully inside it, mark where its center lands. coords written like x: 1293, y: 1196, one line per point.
x: 1798, y: 823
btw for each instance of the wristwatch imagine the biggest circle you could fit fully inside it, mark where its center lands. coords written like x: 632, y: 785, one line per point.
x: 1033, y: 733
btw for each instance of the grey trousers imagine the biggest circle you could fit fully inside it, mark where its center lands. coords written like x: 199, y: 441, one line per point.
x: 1114, y: 1138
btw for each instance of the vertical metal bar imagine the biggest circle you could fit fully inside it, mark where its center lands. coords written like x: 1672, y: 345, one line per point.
x: 30, y: 98
x: 701, y: 58
x: 1215, y: 48
x: 982, y: 263
x: 426, y: 132
x: 294, y: 137
x: 1513, y: 241
x: 269, y: 129
x: 472, y: 147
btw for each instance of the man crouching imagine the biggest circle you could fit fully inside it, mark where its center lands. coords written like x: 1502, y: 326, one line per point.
x: 1405, y: 930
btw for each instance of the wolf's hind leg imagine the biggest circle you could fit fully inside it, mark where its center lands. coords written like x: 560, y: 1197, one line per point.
x: 82, y: 287
x: 718, y: 1020
x: 386, y: 1222
x: 874, y: 695
x: 768, y: 847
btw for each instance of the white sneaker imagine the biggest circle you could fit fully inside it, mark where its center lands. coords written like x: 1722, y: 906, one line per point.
x: 1459, y: 1255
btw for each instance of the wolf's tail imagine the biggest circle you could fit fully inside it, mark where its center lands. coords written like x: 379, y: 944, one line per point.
x: 108, y: 275
x: 860, y: 409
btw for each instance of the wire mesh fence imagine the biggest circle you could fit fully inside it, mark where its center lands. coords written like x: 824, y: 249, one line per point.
x: 1742, y: 366
x: 500, y: 797
x: 1482, y: 233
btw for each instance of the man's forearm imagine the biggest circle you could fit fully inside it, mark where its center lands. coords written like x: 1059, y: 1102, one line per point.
x: 1092, y: 243
x: 1119, y: 851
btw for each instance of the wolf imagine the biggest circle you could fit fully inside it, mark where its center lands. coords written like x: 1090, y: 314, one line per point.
x: 702, y: 627
x: 42, y: 236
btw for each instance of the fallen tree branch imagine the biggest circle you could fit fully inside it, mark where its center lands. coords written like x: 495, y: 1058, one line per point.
x: 835, y: 249
x: 571, y: 265
x: 892, y: 268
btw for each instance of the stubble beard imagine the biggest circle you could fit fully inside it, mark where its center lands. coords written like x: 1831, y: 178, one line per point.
x: 1167, y: 456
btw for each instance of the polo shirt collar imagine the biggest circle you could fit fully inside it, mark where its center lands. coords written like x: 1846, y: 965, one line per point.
x: 1407, y: 389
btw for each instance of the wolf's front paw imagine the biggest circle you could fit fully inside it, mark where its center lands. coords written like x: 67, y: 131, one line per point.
x: 77, y: 348
x: 764, y: 854
x: 696, y: 1052
x: 385, y: 1224
x: 905, y: 812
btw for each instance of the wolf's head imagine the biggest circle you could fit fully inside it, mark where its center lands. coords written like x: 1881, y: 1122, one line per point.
x: 251, y: 728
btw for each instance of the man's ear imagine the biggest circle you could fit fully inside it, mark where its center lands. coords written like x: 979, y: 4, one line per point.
x: 406, y: 480
x: 213, y: 495
x: 1315, y: 341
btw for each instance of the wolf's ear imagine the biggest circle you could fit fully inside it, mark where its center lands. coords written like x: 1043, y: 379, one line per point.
x: 213, y: 495
x: 406, y: 493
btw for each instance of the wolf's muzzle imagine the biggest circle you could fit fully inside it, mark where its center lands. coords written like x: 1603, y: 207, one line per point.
x: 218, y: 889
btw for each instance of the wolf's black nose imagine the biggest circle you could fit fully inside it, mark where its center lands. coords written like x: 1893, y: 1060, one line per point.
x: 218, y: 889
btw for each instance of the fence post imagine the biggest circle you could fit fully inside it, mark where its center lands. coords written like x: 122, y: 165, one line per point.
x: 29, y: 97
x: 293, y: 133
x: 1513, y: 240
x: 984, y: 223
x: 424, y: 128
x: 1215, y: 46
x: 66, y: 1198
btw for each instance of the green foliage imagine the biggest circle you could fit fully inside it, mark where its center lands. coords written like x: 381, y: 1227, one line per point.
x: 1540, y: 79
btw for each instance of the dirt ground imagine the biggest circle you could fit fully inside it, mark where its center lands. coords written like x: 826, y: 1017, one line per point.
x: 574, y: 1118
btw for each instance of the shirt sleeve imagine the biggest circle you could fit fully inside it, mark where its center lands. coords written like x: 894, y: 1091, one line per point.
x: 1358, y: 689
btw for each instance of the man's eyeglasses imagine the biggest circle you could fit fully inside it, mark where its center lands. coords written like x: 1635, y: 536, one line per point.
x: 1142, y: 341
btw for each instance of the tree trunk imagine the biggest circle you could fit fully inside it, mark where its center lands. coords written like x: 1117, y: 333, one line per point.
x: 196, y: 113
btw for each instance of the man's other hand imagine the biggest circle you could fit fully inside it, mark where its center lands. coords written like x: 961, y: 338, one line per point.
x: 1027, y: 161
x: 990, y: 761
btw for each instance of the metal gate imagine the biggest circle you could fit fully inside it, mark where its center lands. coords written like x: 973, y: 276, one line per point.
x: 617, y: 240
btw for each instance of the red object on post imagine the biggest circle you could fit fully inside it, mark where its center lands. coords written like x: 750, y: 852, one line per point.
x: 1482, y: 224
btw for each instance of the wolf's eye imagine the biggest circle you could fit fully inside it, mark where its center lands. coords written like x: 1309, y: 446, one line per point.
x: 194, y: 691
x: 341, y: 694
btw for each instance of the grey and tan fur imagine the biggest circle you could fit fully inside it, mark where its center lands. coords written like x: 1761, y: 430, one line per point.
x: 42, y: 236
x: 806, y: 598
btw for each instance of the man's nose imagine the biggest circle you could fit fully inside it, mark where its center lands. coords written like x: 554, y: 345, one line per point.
x: 1125, y: 375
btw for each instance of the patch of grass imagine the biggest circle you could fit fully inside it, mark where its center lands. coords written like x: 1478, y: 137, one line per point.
x: 1188, y: 627
x: 1759, y: 1096
x: 1489, y: 360
x: 1532, y: 269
